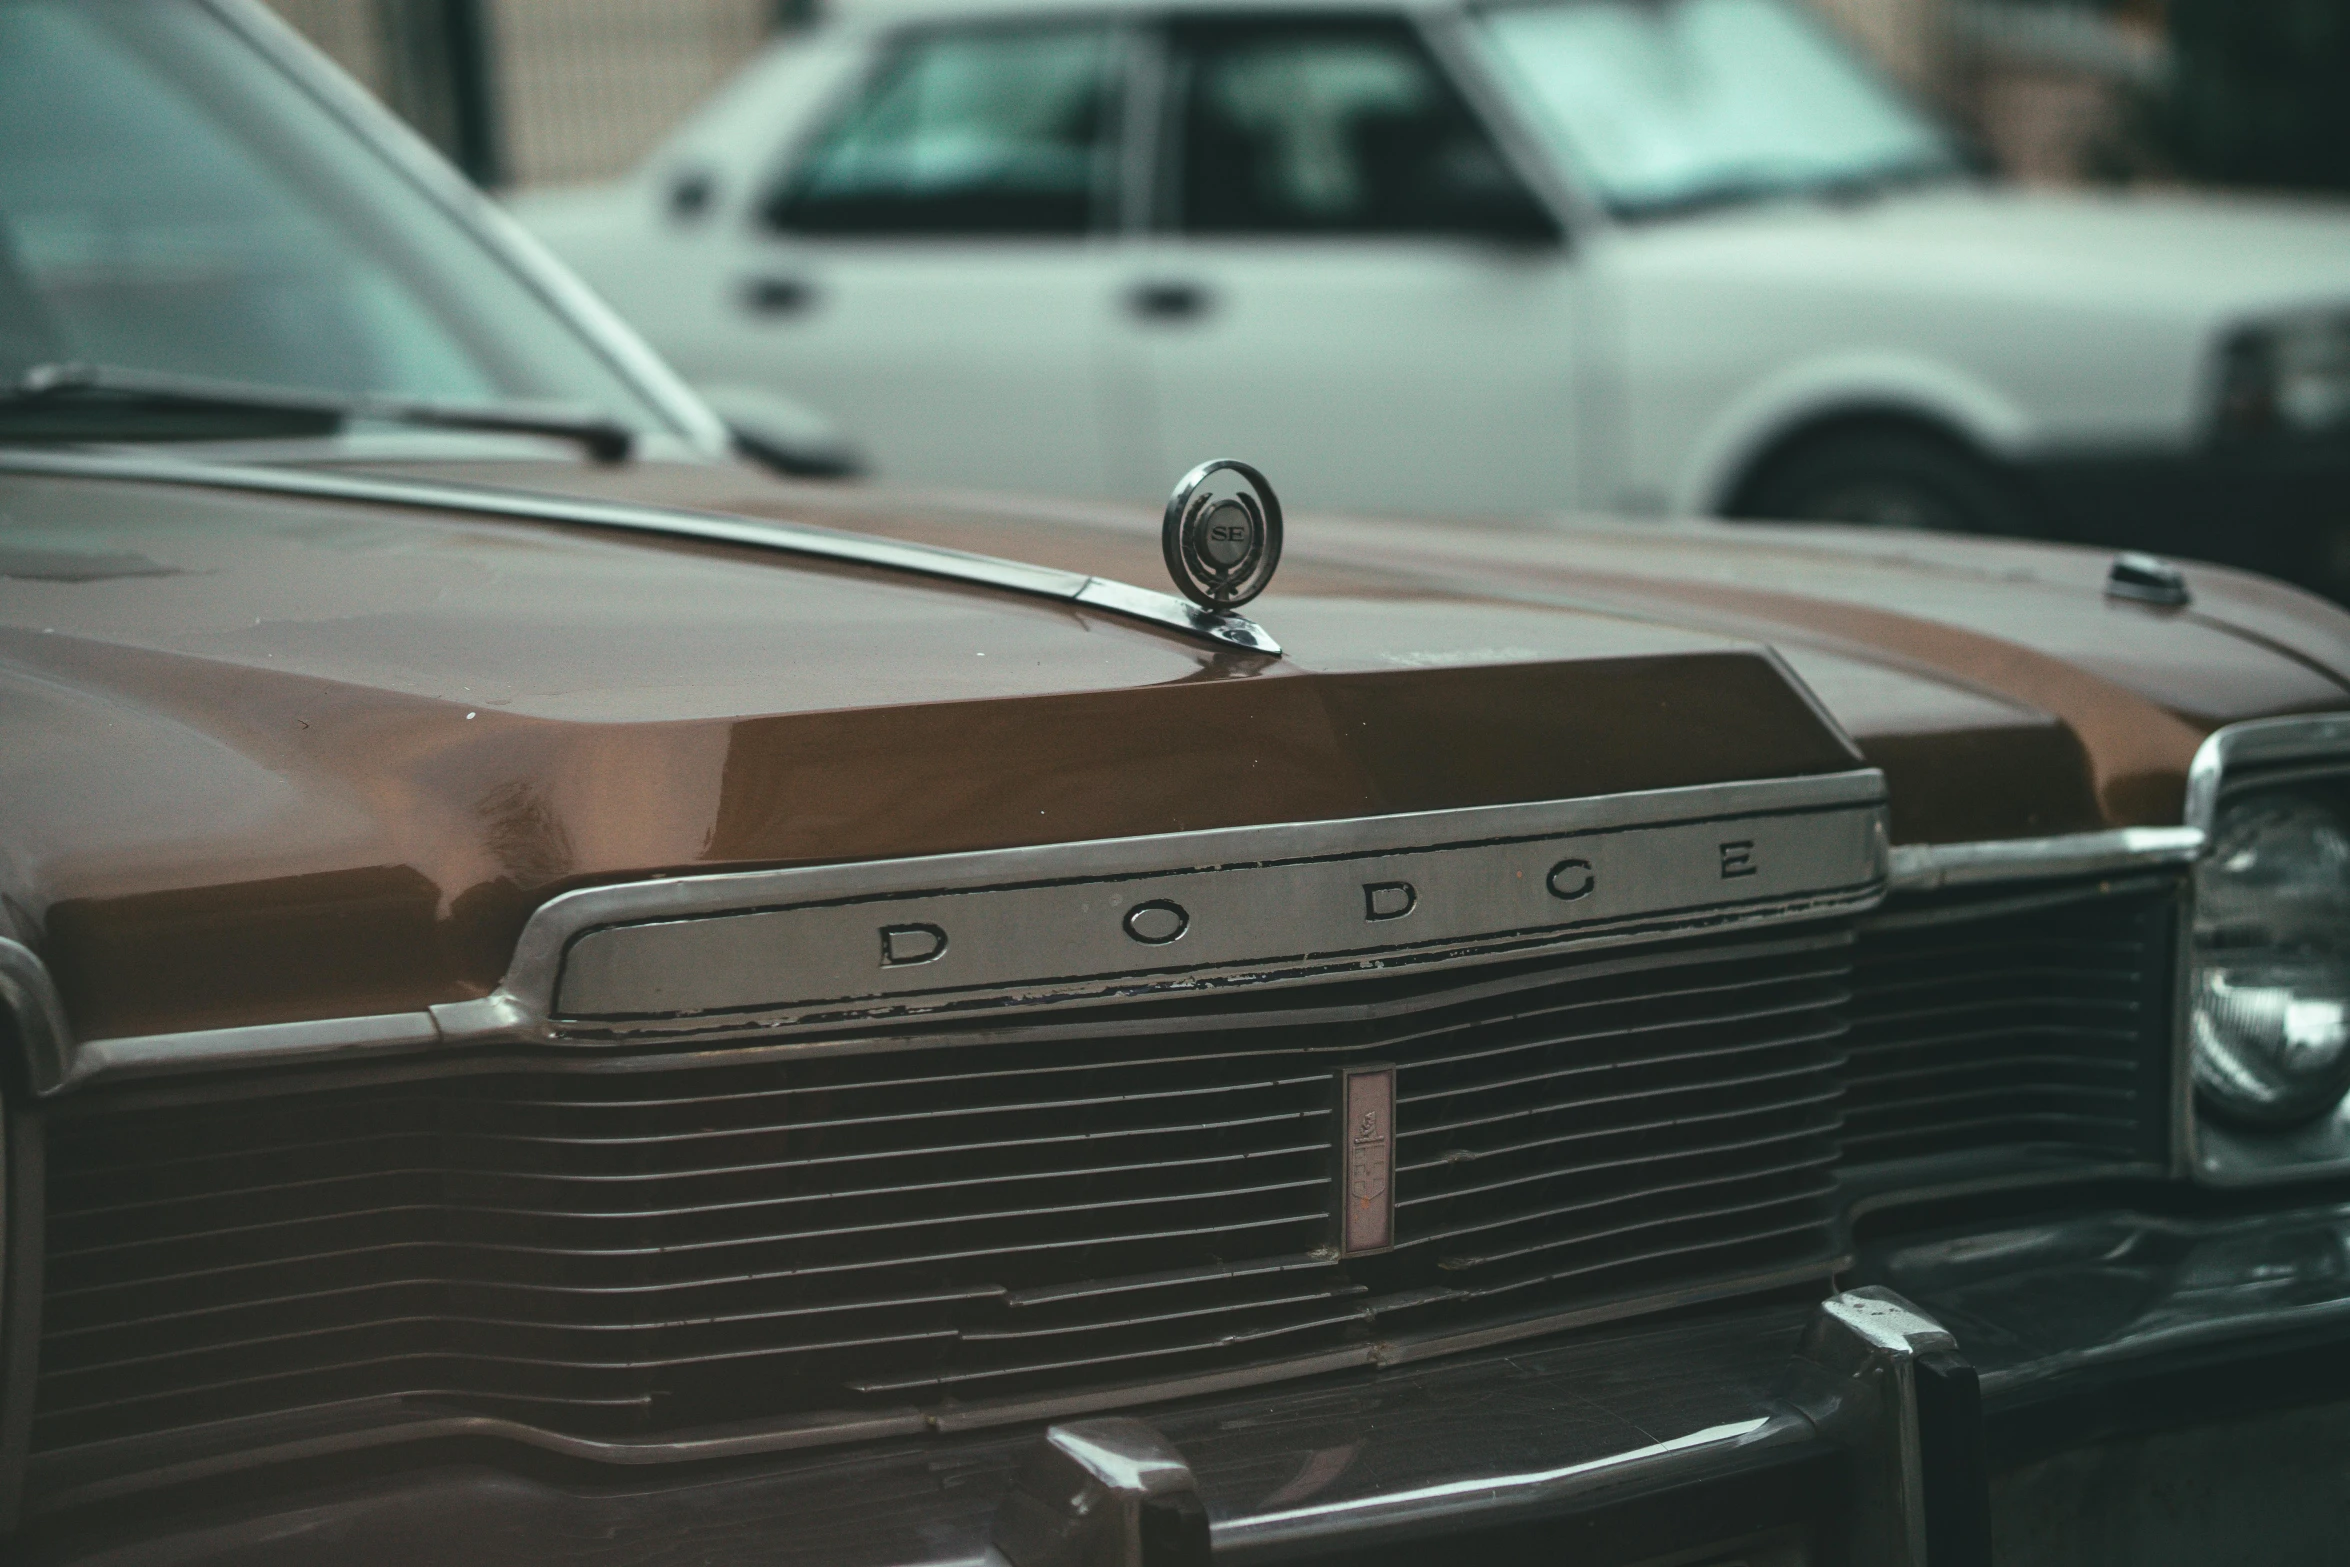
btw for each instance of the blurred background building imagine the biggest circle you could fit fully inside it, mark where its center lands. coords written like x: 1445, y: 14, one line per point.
x: 539, y: 92
x: 2238, y: 92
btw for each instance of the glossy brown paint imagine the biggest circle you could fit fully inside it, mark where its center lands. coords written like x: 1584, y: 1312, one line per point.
x: 2002, y: 693
x: 274, y: 758
x: 315, y: 758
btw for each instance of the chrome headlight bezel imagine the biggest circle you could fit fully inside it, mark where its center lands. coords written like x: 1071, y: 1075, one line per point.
x: 2273, y: 760
x: 2269, y: 1005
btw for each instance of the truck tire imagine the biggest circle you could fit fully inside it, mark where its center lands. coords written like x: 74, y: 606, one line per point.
x: 1885, y: 478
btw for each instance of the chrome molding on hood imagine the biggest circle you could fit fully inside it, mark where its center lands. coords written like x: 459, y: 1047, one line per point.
x: 1069, y: 587
x: 1922, y: 867
x: 797, y: 957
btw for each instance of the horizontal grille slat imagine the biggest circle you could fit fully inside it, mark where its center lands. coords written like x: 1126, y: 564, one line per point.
x: 1644, y: 1256
x: 1148, y: 1319
x: 397, y: 1287
x: 1632, y: 1198
x: 1096, y: 1289
x: 1802, y: 1070
x: 1807, y: 999
x: 576, y: 1215
x: 999, y: 1149
x: 2040, y: 1028
x: 651, y: 1244
x: 249, y: 1293
x: 2106, y: 1042
x: 1594, y: 1238
x: 1130, y: 1357
x: 1814, y: 1133
x: 1759, y: 1106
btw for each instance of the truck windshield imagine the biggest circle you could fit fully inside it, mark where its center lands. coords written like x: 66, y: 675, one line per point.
x: 1667, y: 105
x: 171, y: 201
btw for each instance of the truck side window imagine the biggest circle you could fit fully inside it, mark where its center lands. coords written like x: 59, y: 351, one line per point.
x: 1339, y: 126
x: 1000, y: 130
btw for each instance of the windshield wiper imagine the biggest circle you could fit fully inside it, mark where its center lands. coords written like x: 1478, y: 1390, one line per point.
x: 77, y: 402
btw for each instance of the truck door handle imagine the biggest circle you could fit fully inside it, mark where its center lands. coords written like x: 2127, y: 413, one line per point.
x: 1168, y: 301
x: 778, y: 296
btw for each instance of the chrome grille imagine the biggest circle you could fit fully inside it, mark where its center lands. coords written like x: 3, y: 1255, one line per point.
x: 2005, y: 1022
x: 649, y: 1244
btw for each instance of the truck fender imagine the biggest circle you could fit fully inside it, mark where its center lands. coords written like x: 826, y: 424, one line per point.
x: 1763, y: 417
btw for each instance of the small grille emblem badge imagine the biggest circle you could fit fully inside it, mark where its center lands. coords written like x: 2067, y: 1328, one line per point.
x: 1367, y: 1160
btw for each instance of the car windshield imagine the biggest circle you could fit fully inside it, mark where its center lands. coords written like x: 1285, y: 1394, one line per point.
x: 1663, y: 105
x: 171, y: 202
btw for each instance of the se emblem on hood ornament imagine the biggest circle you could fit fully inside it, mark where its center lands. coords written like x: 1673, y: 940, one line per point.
x: 1222, y: 535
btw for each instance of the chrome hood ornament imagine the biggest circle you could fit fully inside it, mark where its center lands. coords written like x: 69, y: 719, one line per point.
x: 1222, y: 535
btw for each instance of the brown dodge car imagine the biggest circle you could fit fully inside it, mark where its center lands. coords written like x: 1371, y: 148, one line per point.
x: 564, y: 1000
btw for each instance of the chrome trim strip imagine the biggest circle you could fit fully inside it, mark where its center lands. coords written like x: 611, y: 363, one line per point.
x: 796, y: 538
x: 1369, y: 1511
x: 260, y: 1044
x: 55, y: 1060
x: 1021, y: 929
x: 1923, y: 867
x: 41, y: 1028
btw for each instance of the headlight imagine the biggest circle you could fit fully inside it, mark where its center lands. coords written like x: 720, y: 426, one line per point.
x: 2288, y: 377
x: 2271, y: 1019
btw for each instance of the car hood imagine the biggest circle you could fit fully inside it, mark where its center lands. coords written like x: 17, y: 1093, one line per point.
x: 2207, y: 258
x: 279, y: 755
x: 2003, y: 693
x: 285, y: 755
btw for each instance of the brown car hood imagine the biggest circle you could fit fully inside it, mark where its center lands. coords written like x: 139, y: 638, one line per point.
x: 2002, y: 691
x: 271, y: 757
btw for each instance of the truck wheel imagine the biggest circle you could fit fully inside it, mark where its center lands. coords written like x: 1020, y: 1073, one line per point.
x: 1885, y: 479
